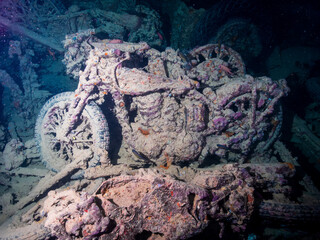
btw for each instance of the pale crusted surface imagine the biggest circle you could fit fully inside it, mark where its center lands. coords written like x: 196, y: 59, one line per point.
x: 85, y: 215
x: 134, y: 203
x: 35, y: 231
x: 166, y: 118
x: 22, y: 103
x: 306, y: 141
x: 151, y: 200
x: 159, y: 103
x: 42, y: 187
x: 14, y: 154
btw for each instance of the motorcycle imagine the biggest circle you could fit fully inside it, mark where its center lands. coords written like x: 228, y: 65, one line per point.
x: 172, y: 106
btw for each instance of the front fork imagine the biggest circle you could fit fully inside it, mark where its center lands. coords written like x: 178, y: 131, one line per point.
x: 76, y: 107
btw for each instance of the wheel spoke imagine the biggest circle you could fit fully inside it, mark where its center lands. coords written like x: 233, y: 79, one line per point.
x: 81, y: 136
x: 59, y: 150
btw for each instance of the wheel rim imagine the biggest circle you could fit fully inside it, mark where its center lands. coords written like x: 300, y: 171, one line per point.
x: 60, y: 150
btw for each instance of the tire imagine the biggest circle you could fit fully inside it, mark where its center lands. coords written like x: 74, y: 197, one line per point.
x: 90, y: 134
x: 240, y: 25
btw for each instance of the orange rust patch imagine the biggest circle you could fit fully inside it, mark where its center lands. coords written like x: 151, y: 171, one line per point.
x: 228, y: 134
x: 168, y: 163
x: 250, y: 198
x: 290, y: 165
x: 274, y: 124
x: 144, y: 131
x: 85, y: 233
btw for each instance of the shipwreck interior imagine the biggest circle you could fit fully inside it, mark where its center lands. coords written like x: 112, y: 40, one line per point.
x: 146, y: 119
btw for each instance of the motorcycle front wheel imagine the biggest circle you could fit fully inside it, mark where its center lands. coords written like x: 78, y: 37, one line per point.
x: 89, y: 137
